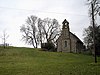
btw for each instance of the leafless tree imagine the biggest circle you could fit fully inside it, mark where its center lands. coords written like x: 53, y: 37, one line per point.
x: 4, y: 38
x: 96, y: 7
x: 93, y: 11
x: 29, y: 31
x: 41, y: 37
x: 50, y: 29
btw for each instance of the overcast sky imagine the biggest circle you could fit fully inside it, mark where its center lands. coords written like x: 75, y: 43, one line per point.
x: 13, y: 14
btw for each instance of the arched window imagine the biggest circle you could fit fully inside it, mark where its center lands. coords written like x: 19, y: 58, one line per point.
x: 65, y: 43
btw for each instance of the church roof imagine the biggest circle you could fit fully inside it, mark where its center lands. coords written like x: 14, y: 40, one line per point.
x: 76, y: 37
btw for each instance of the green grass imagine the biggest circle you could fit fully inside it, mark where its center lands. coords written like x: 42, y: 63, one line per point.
x: 28, y: 61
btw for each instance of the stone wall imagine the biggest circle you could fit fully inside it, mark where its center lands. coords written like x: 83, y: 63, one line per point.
x: 73, y: 43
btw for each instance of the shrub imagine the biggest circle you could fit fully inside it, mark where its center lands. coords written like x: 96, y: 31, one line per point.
x: 48, y: 47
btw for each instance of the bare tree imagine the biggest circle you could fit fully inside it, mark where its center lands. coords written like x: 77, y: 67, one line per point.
x: 93, y: 11
x: 41, y: 37
x: 29, y: 31
x: 88, y: 36
x: 50, y: 29
x: 96, y: 8
x: 4, y: 38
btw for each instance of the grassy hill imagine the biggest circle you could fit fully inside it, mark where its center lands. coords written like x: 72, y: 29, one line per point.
x: 28, y: 61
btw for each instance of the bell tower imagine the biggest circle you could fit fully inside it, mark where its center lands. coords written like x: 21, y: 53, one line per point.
x: 65, y: 24
x: 65, y: 29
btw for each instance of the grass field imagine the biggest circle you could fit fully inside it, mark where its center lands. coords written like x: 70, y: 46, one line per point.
x: 28, y: 61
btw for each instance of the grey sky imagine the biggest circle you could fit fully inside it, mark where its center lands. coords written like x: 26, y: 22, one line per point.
x: 13, y: 14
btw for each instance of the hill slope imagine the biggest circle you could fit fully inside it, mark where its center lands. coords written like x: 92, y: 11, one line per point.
x: 28, y: 61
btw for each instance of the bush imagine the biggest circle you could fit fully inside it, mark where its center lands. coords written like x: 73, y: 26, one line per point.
x: 48, y: 47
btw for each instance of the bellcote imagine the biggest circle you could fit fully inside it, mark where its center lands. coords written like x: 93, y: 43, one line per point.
x: 65, y: 24
x: 65, y: 29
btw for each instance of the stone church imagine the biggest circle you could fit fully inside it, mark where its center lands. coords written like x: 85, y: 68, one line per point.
x: 67, y: 41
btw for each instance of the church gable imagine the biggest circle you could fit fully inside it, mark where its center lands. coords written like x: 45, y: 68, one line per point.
x: 64, y: 39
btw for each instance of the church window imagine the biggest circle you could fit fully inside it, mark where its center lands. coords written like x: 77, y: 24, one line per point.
x: 65, y: 43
